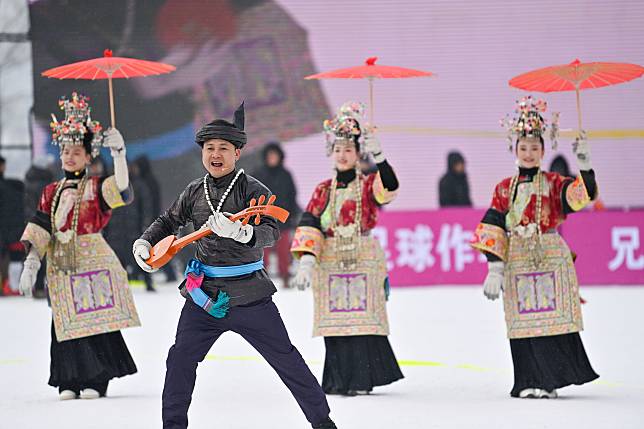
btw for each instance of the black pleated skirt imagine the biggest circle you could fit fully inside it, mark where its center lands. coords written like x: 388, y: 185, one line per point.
x: 89, y: 361
x: 358, y: 362
x: 550, y: 362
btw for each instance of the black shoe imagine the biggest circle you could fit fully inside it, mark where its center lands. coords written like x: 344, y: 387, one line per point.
x: 327, y: 424
x: 40, y: 294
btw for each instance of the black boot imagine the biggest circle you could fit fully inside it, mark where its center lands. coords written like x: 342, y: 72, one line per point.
x: 327, y: 424
x: 149, y: 286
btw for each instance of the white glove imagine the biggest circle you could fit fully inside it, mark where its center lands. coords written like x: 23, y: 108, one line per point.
x: 114, y: 140
x: 494, y: 280
x: 226, y: 228
x: 582, y: 151
x: 372, y: 146
x: 304, y: 272
x: 29, y: 273
x: 141, y: 251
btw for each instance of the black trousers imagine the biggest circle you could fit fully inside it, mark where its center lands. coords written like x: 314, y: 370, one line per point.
x: 261, y: 325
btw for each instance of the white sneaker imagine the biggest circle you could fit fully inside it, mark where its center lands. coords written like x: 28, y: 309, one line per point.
x: 529, y: 393
x: 66, y: 395
x: 541, y: 393
x: 89, y: 394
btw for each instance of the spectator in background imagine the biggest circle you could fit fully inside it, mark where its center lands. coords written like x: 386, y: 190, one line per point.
x: 12, y: 221
x: 128, y: 224
x: 38, y: 176
x: 453, y: 189
x: 152, y: 207
x: 560, y: 165
x: 367, y: 165
x: 280, y: 181
x: 97, y: 167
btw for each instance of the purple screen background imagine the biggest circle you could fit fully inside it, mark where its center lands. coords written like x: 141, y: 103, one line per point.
x: 474, y: 48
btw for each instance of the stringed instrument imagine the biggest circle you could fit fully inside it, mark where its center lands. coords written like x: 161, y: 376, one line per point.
x: 164, y: 250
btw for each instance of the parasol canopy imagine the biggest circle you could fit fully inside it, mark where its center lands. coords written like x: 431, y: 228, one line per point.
x: 370, y: 71
x: 577, y: 76
x: 109, y: 67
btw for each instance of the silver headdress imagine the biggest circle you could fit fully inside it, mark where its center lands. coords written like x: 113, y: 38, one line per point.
x: 345, y: 126
x: 76, y: 125
x: 529, y: 121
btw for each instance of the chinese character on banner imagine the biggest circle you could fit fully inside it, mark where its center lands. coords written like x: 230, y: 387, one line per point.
x: 454, y: 238
x: 625, y: 241
x: 382, y: 235
x: 415, y: 247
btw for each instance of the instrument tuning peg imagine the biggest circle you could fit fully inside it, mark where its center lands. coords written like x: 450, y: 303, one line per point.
x: 253, y: 202
x: 262, y: 198
x: 271, y: 200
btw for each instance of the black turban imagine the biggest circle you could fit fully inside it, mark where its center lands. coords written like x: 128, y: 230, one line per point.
x: 223, y: 130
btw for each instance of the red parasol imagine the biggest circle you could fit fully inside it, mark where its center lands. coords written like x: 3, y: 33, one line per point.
x: 575, y: 77
x: 370, y: 70
x: 109, y: 67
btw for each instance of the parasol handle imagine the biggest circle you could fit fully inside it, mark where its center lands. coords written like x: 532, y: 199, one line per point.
x: 109, y: 81
x: 578, y: 110
x: 371, y: 100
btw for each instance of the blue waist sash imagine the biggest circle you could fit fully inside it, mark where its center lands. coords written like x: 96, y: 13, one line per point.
x: 197, y: 267
x: 195, y: 272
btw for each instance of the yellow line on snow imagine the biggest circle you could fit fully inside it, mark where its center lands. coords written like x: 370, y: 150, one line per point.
x: 419, y: 363
x: 12, y: 361
x: 408, y: 363
x: 404, y: 363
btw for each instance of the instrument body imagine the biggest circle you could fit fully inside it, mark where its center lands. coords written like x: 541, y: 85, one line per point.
x: 164, y: 250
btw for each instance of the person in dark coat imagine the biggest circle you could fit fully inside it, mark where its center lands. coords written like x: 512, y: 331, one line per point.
x: 152, y: 206
x: 280, y: 181
x: 560, y: 165
x: 453, y: 188
x: 38, y: 176
x: 226, y: 286
x: 12, y: 221
x: 128, y: 223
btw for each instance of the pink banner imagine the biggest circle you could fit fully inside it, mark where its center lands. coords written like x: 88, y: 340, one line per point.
x: 431, y: 247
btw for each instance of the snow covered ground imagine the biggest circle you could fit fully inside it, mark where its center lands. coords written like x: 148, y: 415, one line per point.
x: 450, y: 341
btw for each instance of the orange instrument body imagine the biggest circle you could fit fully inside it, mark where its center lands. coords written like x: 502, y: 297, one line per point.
x: 164, y: 250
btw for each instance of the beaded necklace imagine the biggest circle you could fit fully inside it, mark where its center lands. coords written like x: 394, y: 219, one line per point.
x: 64, y: 245
x: 347, y: 238
x: 534, y: 243
x: 224, y: 195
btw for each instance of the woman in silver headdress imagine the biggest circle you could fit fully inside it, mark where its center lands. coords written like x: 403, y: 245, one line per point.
x: 344, y: 264
x: 88, y: 287
x: 531, y: 263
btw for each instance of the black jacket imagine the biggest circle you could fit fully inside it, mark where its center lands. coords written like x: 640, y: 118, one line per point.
x: 12, y: 217
x: 453, y: 188
x: 191, y: 207
x: 280, y: 182
x: 36, y: 180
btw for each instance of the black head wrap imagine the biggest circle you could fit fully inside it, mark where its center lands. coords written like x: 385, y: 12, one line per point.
x: 223, y: 130
x: 273, y: 147
x: 454, y: 158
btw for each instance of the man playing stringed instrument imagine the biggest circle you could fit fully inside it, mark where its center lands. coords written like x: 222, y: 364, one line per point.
x: 226, y: 287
